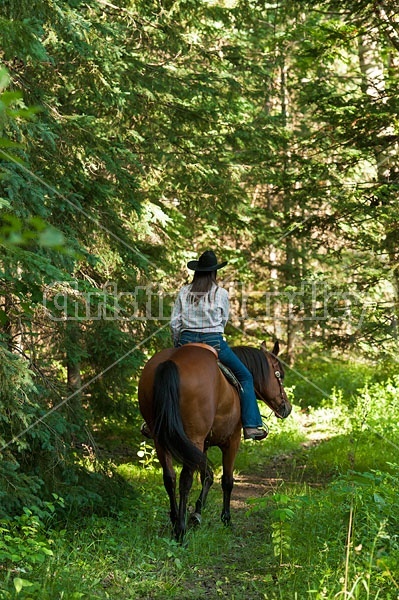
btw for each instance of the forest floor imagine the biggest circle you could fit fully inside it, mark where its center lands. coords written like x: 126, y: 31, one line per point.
x: 290, y: 512
x: 255, y: 480
x: 292, y: 503
x: 285, y: 467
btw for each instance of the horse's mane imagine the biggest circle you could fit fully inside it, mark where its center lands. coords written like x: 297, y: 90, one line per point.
x: 255, y: 361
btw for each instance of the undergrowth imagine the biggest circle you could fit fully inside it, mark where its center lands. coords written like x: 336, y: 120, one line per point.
x: 328, y: 527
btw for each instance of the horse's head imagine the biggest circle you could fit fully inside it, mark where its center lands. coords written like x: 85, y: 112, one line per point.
x: 272, y: 390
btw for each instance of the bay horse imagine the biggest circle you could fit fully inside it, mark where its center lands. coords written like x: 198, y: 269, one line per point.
x: 189, y: 405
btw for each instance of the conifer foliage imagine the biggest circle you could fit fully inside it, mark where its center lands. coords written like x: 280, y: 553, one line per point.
x: 134, y: 134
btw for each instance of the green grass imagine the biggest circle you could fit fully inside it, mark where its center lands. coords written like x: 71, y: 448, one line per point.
x: 327, y: 529
x: 315, y: 377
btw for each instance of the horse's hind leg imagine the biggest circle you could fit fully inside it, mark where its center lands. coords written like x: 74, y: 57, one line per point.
x: 169, y: 481
x: 206, y: 482
x: 186, y: 482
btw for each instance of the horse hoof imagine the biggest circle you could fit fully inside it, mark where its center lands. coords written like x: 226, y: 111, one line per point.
x: 180, y: 538
x: 226, y: 520
x: 195, y: 519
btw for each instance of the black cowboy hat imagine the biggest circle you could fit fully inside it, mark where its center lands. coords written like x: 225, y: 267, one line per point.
x: 207, y: 262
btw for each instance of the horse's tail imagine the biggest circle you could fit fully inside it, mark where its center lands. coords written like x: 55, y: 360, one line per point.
x: 168, y: 426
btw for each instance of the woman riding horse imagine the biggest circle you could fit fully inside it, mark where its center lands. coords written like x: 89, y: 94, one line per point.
x: 188, y: 403
x: 199, y: 315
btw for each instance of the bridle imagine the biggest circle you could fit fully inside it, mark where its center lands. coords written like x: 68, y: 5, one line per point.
x: 277, y: 374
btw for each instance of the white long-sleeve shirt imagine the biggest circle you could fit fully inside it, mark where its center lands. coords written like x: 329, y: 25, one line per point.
x: 208, y: 315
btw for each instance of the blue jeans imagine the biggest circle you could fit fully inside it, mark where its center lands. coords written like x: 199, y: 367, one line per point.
x: 250, y: 414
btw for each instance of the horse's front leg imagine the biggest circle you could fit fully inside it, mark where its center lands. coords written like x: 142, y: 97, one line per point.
x: 206, y: 483
x: 229, y: 454
x: 227, y: 487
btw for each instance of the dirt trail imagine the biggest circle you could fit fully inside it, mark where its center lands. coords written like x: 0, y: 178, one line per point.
x: 282, y: 468
x: 252, y: 486
x: 266, y: 479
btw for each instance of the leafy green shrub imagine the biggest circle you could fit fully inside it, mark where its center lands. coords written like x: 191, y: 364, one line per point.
x: 378, y: 404
x: 23, y: 540
x: 25, y: 544
x: 340, y: 537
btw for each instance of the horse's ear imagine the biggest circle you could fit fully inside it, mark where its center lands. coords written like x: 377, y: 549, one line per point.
x: 276, y: 348
x: 263, y: 346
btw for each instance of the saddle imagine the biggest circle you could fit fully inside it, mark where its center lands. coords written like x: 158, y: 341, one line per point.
x: 228, y: 373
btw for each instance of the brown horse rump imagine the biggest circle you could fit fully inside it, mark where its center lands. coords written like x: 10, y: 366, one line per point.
x: 228, y: 373
x: 203, y: 345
